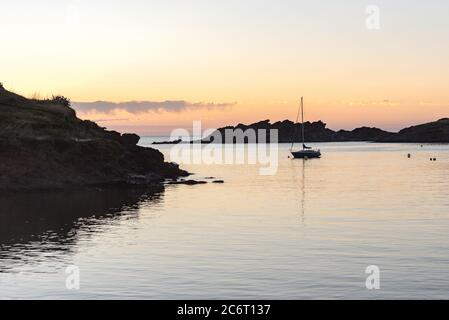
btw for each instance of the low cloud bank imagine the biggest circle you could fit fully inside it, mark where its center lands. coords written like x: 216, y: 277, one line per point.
x: 137, y: 107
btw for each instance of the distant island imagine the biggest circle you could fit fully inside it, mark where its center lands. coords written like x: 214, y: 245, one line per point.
x: 178, y: 141
x: 43, y: 145
x: 288, y: 131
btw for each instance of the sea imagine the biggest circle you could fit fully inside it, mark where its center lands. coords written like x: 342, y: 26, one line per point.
x: 366, y: 221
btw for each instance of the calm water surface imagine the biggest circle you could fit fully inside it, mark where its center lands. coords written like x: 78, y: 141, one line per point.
x: 308, y: 232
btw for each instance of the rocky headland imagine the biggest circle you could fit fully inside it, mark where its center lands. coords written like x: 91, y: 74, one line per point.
x: 288, y: 131
x: 43, y: 145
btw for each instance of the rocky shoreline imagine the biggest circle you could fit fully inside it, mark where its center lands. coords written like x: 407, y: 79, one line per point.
x: 43, y: 145
x: 433, y: 132
x: 288, y: 132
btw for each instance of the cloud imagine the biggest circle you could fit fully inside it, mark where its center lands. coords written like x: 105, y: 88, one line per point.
x: 432, y: 104
x: 381, y: 103
x: 112, y: 119
x: 138, y: 107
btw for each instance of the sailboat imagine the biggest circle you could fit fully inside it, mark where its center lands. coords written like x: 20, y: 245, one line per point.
x: 306, y: 152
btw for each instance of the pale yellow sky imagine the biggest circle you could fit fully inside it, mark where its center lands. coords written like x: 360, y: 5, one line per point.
x: 261, y: 55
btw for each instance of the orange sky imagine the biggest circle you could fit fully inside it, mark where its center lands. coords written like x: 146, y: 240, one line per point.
x: 259, y: 57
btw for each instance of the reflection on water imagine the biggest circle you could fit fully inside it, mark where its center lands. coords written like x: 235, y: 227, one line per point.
x: 45, y: 224
x: 310, y: 231
x: 298, y: 168
x: 303, y: 189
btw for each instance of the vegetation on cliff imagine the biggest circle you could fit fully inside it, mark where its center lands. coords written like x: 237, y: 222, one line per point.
x: 44, y: 145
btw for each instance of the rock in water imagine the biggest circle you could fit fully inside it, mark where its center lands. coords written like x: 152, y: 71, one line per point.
x: 187, y: 182
x: 43, y: 145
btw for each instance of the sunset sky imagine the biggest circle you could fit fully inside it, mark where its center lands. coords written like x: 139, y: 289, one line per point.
x: 226, y: 62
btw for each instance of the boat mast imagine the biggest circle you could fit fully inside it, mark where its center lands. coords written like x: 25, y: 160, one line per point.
x: 296, y: 128
x: 302, y: 115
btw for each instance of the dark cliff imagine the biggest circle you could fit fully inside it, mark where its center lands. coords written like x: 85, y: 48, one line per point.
x: 433, y: 132
x: 288, y: 131
x: 43, y: 145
